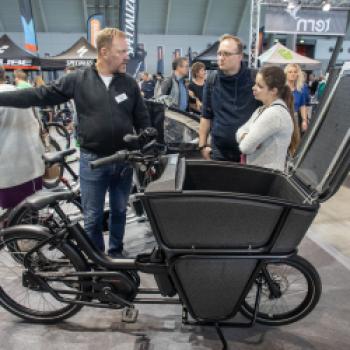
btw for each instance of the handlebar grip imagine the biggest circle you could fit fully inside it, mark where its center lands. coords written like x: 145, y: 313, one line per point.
x: 128, y: 138
x: 119, y: 156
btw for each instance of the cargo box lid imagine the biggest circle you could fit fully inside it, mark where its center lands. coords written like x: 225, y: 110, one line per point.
x: 323, y: 161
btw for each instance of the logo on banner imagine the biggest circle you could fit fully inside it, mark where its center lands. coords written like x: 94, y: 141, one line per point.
x: 14, y: 62
x: 3, y: 48
x: 305, y: 21
x: 286, y: 54
x: 82, y: 51
x: 130, y: 24
x: 79, y: 63
x: 309, y: 24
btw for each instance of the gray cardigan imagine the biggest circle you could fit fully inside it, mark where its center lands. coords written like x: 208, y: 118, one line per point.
x: 21, y: 148
x: 268, y: 136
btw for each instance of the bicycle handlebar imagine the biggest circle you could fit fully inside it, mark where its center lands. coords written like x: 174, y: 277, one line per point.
x: 119, y: 156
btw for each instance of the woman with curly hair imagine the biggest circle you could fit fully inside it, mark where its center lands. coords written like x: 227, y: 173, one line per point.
x: 295, y: 80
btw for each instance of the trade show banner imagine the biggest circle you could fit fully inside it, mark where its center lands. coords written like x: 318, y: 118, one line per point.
x: 95, y: 23
x: 128, y: 23
x: 305, y: 21
x: 160, y: 59
x: 30, y: 42
x: 177, y: 53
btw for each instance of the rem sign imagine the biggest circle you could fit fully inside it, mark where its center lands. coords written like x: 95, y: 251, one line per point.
x: 305, y: 21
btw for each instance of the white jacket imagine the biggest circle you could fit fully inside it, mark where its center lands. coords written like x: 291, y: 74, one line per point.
x: 268, y: 136
x: 21, y: 149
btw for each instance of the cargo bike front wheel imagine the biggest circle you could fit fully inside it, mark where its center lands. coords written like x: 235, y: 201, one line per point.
x: 291, y: 288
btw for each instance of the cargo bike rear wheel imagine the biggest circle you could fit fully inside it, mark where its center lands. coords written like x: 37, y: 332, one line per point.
x: 291, y: 288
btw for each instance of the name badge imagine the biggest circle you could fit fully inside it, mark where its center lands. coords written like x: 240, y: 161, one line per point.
x: 120, y: 98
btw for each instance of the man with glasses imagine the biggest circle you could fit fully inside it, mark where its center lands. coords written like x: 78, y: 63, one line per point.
x: 174, y: 86
x: 109, y: 105
x: 228, y: 102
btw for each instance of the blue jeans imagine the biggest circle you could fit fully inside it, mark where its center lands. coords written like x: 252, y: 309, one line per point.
x: 117, y: 179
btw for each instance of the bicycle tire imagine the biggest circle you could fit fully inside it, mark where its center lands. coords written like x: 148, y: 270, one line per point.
x: 47, y: 217
x: 281, y: 272
x: 61, y: 132
x: 45, y: 308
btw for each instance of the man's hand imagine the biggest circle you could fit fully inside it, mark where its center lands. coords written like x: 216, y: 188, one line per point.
x: 205, y: 152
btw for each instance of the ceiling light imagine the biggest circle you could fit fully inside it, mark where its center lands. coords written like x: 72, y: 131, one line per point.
x: 326, y: 6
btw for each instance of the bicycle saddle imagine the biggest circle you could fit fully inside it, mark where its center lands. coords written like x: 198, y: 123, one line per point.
x: 41, y: 199
x: 57, y: 157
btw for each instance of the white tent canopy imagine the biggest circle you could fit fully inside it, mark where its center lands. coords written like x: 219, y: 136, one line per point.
x: 280, y: 55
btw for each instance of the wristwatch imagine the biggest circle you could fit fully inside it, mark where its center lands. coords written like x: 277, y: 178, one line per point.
x: 202, y: 147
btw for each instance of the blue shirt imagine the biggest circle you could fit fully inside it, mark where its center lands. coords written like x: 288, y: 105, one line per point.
x: 183, y: 95
x: 299, y: 100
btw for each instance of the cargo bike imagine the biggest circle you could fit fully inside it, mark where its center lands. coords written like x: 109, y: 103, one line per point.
x: 226, y: 238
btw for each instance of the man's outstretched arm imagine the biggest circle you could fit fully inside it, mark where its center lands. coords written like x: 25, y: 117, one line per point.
x: 51, y: 95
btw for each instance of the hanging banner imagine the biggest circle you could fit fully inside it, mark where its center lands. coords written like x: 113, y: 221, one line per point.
x: 128, y: 23
x: 30, y: 42
x: 95, y: 23
x: 305, y: 21
x: 177, y: 53
x: 141, y: 53
x: 136, y: 63
x: 160, y: 59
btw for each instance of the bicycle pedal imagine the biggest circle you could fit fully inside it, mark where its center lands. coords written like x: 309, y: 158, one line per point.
x: 129, y: 315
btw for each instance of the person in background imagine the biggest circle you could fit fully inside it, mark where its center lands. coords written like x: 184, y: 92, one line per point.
x: 38, y: 81
x: 147, y: 86
x: 306, y: 90
x: 21, y: 79
x: 228, y: 102
x: 313, y: 83
x: 21, y: 164
x: 47, y: 111
x: 109, y: 106
x: 174, y: 86
x: 270, y: 133
x: 295, y: 80
x: 196, y: 86
x: 158, y: 78
x: 321, y: 87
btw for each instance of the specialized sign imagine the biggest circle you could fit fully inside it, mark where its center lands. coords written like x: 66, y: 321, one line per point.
x: 82, y: 51
x: 3, y: 48
x: 128, y: 23
x: 79, y: 63
x: 25, y: 7
x: 305, y: 21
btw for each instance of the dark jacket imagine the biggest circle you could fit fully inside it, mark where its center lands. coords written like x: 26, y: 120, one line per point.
x: 147, y: 87
x: 104, y: 115
x: 229, y: 103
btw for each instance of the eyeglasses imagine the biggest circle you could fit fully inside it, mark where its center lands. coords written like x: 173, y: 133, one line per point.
x: 227, y: 54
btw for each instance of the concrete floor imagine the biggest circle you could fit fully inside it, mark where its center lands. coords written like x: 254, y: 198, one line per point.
x: 327, y: 246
